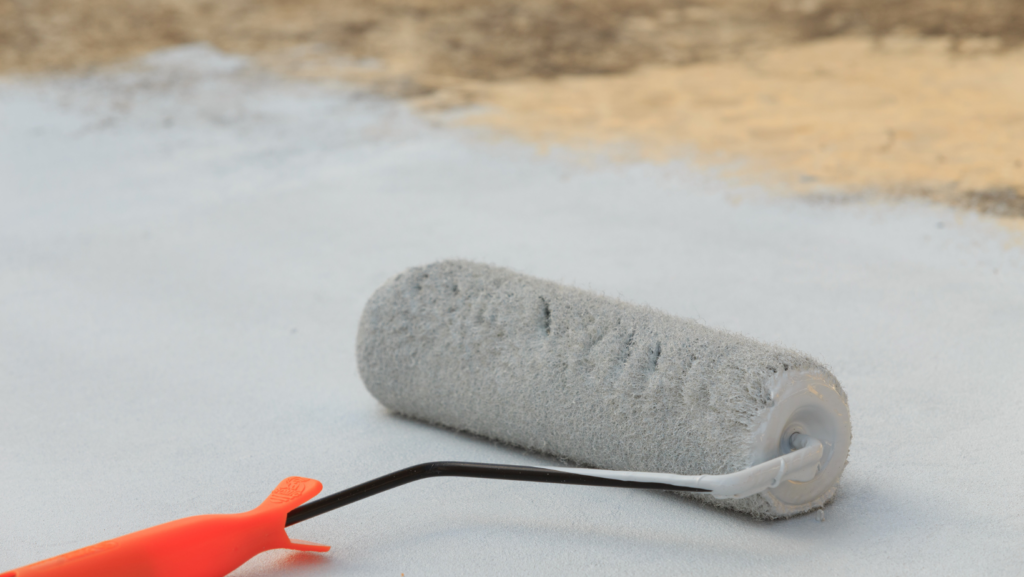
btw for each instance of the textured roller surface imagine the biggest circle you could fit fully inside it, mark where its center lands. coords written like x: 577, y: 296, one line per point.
x: 570, y: 373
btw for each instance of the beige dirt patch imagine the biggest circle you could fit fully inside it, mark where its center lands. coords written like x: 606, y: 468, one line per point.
x: 902, y: 115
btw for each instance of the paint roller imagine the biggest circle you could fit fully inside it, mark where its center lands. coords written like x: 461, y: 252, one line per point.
x: 634, y: 392
x: 642, y: 399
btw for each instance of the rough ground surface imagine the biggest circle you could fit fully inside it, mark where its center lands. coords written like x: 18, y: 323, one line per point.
x: 935, y: 113
x: 488, y: 39
x: 185, y: 250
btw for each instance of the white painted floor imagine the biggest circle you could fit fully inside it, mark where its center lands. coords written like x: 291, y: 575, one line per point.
x: 186, y: 246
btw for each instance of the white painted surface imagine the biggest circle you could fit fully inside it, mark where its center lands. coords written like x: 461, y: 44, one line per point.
x: 185, y: 250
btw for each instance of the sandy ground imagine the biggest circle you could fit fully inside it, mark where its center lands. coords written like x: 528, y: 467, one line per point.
x: 186, y: 246
x: 919, y: 98
x: 896, y: 116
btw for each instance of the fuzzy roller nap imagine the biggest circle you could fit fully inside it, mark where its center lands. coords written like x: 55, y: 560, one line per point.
x: 598, y: 381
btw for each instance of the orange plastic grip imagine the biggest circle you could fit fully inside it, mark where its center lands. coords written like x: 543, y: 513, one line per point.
x: 203, y: 546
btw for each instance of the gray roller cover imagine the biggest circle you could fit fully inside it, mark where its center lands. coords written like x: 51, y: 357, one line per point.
x: 569, y: 373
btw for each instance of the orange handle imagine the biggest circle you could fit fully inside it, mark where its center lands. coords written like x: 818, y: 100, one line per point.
x: 203, y: 546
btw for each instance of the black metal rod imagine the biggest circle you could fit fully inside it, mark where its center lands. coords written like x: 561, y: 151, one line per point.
x: 457, y: 469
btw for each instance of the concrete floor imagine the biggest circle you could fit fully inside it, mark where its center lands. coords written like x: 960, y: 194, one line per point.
x: 186, y: 245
